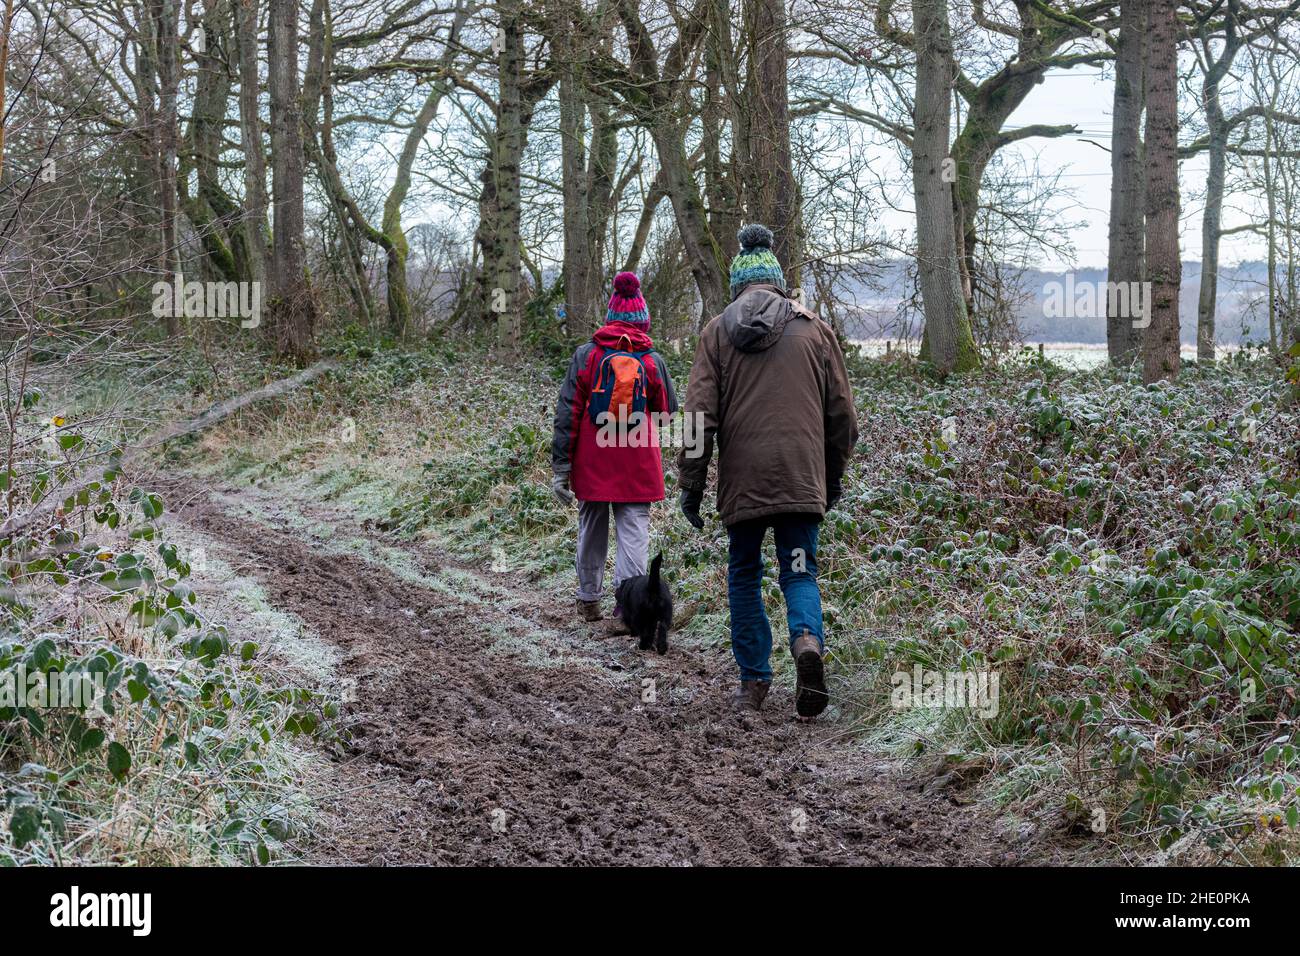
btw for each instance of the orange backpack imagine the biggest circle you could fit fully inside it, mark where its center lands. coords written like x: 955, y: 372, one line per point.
x: 619, y: 385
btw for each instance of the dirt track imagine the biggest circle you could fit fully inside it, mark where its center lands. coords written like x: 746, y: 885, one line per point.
x: 475, y: 695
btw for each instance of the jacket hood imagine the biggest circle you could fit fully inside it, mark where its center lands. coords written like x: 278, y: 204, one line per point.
x: 757, y: 318
x: 609, y: 335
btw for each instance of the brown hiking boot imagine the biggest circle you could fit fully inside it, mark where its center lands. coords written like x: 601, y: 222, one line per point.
x: 810, y: 697
x: 750, y: 694
x: 590, y: 610
x: 615, y: 625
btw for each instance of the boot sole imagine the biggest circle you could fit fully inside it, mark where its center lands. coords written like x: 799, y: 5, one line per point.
x: 810, y: 695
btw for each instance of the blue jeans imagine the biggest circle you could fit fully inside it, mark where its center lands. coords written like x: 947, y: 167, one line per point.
x: 796, y: 552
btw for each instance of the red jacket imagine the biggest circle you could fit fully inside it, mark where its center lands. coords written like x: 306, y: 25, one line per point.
x: 617, y: 472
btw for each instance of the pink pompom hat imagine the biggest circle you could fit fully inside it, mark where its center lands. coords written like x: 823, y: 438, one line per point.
x: 626, y: 304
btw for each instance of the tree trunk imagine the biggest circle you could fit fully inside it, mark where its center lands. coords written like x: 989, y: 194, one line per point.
x: 772, y: 192
x: 947, y: 336
x: 1271, y: 235
x: 654, y: 196
x: 602, y: 167
x: 166, y: 38
x: 702, y: 251
x: 1126, y: 246
x: 1161, y: 349
x: 292, y: 307
x: 721, y: 102
x: 580, y: 272
x: 250, y: 124
x: 497, y: 240
x: 1211, y: 221
x: 1217, y: 146
x: 498, y: 237
x: 1271, y: 205
x: 215, y: 216
x: 4, y: 72
x: 398, y: 295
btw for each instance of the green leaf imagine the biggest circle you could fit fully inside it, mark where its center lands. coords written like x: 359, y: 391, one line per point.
x: 25, y: 825
x: 42, y: 653
x: 119, y: 761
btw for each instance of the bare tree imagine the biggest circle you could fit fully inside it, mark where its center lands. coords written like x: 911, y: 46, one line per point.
x: 947, y: 337
x: 1040, y: 40
x: 165, y: 27
x: 655, y: 94
x: 588, y: 160
x: 1126, y: 254
x: 293, y: 310
x: 1164, y: 265
x: 1222, y: 28
x: 250, y: 128
x: 771, y: 191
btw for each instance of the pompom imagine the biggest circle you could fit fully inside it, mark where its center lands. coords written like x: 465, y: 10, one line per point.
x: 755, y: 236
x: 627, y: 285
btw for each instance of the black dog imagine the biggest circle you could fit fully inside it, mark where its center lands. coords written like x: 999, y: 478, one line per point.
x: 647, y: 607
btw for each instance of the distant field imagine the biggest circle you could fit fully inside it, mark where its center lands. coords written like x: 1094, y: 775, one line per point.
x: 1074, y: 354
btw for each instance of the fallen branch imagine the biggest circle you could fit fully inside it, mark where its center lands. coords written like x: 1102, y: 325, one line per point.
x: 16, y: 523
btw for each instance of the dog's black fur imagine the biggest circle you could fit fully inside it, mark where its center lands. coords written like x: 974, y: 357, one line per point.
x: 648, y: 607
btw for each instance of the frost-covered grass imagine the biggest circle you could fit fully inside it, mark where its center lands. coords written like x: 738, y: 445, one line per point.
x: 1121, y: 557
x: 188, y: 755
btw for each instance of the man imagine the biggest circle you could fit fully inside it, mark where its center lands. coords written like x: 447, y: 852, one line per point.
x: 769, y: 385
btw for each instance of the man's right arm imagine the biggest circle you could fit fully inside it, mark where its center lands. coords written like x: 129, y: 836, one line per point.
x: 702, y: 402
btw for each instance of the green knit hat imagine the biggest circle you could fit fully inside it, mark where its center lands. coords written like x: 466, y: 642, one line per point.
x: 755, y: 261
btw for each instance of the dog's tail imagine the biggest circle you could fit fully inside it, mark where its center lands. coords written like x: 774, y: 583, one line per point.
x: 654, y: 573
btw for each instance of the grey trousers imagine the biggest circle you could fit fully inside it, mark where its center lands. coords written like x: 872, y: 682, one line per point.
x: 632, y: 528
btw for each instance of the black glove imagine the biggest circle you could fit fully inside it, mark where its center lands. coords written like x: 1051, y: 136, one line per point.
x: 690, y: 505
x: 833, y: 493
x: 560, y: 485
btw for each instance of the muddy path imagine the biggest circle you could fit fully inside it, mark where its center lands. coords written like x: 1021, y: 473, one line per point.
x: 489, y: 726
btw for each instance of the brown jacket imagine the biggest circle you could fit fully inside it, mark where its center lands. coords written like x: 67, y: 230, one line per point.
x: 770, y: 386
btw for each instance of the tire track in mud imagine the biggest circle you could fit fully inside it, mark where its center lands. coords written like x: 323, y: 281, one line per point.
x: 482, y: 696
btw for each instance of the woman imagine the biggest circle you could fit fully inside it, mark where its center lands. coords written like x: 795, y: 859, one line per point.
x: 600, y: 454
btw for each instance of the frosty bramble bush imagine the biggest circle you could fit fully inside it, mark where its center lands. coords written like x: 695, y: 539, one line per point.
x: 1125, y: 555
x: 180, y: 721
